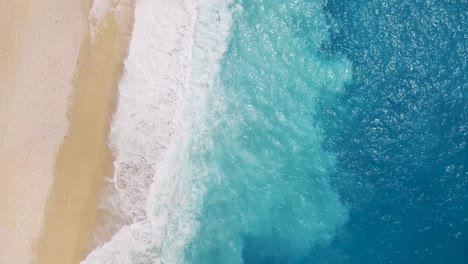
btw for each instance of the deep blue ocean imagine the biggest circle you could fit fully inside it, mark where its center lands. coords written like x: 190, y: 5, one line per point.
x: 338, y: 133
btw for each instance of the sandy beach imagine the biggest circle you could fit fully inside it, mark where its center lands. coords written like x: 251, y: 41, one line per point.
x: 57, y: 94
x: 84, y: 159
x: 37, y: 67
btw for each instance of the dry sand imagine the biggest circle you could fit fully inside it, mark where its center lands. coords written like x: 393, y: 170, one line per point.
x: 43, y: 41
x: 40, y: 41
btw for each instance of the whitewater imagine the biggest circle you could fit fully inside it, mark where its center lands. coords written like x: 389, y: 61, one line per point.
x: 172, y: 63
x: 251, y: 131
x: 215, y: 154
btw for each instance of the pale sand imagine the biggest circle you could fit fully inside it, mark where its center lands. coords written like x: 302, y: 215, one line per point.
x: 39, y: 45
x: 14, y: 15
x: 84, y: 159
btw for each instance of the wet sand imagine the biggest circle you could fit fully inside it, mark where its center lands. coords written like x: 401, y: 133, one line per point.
x: 84, y: 160
x: 54, y: 79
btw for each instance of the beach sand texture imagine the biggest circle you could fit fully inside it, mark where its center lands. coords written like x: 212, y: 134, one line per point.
x: 85, y: 160
x: 45, y: 53
x: 40, y: 44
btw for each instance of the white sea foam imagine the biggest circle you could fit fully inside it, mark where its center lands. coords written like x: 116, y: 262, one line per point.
x: 162, y: 95
x: 100, y: 11
x: 97, y: 15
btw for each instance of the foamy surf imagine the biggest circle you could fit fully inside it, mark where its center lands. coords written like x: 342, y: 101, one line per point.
x: 173, y: 60
x: 100, y: 11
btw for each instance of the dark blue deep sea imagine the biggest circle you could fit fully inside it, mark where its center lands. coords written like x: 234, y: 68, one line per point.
x: 400, y: 132
x: 338, y: 134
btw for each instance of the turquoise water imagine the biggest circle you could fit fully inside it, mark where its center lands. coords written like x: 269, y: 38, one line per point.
x: 292, y: 132
x: 268, y: 195
x: 336, y: 133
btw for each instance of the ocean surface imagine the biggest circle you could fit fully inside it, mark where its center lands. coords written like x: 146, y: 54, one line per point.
x: 313, y: 131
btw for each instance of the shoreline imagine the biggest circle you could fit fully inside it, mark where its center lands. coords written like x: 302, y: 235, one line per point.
x: 152, y: 126
x: 84, y: 161
x: 146, y: 124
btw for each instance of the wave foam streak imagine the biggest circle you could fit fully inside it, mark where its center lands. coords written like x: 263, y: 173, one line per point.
x: 147, y: 119
x: 173, y: 58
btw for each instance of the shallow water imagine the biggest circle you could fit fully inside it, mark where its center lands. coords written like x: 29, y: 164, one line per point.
x: 342, y: 138
x: 294, y: 132
x: 268, y: 197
